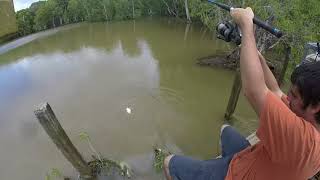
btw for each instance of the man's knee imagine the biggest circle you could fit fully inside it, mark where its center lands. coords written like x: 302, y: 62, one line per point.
x: 223, y: 127
x: 167, y: 161
x: 166, y: 166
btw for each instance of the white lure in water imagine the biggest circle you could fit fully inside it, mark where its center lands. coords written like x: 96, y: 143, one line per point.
x: 128, y: 110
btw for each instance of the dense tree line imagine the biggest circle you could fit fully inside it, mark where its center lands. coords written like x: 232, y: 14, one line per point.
x: 300, y: 19
x: 52, y: 13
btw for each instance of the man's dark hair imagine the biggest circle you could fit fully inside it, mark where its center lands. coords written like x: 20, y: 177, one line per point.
x: 307, y: 79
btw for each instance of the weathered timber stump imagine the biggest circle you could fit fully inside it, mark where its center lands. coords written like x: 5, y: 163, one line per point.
x: 51, y: 125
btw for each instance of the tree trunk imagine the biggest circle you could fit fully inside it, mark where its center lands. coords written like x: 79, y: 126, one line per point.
x: 88, y: 14
x: 53, y: 24
x: 175, y: 5
x: 133, y: 14
x: 187, y: 11
x: 171, y: 12
x: 105, y: 12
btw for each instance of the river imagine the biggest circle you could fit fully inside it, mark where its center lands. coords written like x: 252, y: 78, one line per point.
x: 92, y: 73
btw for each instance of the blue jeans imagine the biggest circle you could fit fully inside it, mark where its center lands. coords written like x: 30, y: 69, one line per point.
x: 186, y: 168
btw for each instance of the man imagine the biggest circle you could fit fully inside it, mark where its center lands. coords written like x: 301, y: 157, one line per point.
x: 289, y: 126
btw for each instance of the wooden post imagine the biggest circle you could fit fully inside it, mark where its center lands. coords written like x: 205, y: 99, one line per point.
x: 285, y: 64
x: 53, y: 128
x: 233, y: 100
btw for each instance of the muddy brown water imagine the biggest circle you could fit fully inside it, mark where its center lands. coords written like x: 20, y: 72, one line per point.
x: 91, y: 72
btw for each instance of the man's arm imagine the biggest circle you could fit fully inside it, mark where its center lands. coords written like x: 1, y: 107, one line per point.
x: 269, y: 78
x: 252, y: 76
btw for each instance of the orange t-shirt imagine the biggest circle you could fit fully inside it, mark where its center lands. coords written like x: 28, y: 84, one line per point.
x: 289, y: 147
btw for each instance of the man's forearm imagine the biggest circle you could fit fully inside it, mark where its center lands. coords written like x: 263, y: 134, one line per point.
x: 252, y: 76
x: 251, y: 70
x: 270, y: 80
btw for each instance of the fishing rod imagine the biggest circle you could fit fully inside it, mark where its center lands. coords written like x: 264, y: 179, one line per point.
x: 256, y: 20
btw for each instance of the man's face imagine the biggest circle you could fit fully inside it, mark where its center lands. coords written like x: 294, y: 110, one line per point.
x: 296, y: 102
x: 297, y: 106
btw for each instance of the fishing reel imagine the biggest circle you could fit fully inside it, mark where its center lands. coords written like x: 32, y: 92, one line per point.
x: 229, y: 32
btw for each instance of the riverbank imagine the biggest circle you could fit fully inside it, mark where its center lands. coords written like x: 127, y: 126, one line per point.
x: 7, y: 38
x: 16, y: 41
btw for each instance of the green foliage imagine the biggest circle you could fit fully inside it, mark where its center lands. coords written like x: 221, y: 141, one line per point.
x: 75, y: 11
x: 159, y: 156
x: 84, y: 136
x: 108, y: 167
x: 204, y: 12
x: 52, y: 13
x: 25, y: 21
x: 150, y: 7
x: 35, y: 6
x: 122, y: 8
x: 44, y: 15
x: 299, y: 19
x: 54, y: 174
x: 99, y: 164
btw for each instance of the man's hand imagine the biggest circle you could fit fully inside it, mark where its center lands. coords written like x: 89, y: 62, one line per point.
x: 243, y: 17
x: 252, y: 77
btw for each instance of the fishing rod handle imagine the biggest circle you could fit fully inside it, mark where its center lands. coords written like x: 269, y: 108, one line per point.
x: 267, y: 27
